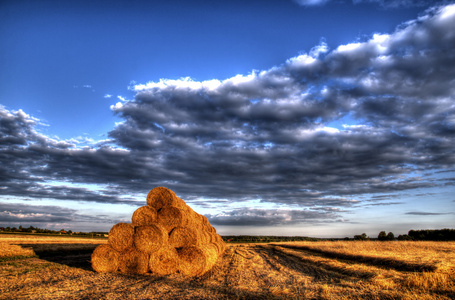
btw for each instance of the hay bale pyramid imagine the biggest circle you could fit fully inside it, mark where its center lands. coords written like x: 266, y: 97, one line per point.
x: 165, y: 237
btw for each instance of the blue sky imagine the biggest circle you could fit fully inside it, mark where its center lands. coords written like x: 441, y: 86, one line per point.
x: 320, y: 118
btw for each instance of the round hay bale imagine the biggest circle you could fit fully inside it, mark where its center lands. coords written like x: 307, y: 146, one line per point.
x: 164, y: 261
x: 160, y: 197
x: 151, y: 238
x: 204, y: 236
x: 145, y: 215
x: 133, y: 261
x: 121, y: 236
x: 192, y: 261
x: 105, y: 259
x: 183, y: 236
x: 170, y: 217
x: 220, y: 247
x: 211, y: 255
x: 210, y: 237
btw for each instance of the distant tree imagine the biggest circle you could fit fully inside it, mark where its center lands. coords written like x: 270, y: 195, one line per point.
x: 404, y: 237
x: 382, y: 236
x: 361, y: 237
x: 390, y: 236
x: 433, y: 234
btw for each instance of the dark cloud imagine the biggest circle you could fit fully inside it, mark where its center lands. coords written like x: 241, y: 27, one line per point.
x: 44, y: 215
x: 271, y: 135
x: 273, y: 217
x: 420, y: 213
x: 15, y: 213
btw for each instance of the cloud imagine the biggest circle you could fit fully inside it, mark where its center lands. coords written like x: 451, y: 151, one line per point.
x: 107, y: 96
x: 266, y: 133
x: 384, y: 3
x: 271, y: 217
x: 311, y: 2
x: 419, y: 213
x: 40, y: 215
x: 270, y: 135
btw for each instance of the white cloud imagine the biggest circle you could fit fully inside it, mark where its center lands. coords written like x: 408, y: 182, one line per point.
x: 311, y: 2
x: 447, y: 12
x: 107, y: 96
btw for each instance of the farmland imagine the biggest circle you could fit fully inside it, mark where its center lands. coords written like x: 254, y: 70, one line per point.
x: 40, y: 267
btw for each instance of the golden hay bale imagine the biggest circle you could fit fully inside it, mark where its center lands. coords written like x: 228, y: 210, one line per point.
x: 170, y: 217
x: 160, y: 197
x: 218, y: 238
x: 210, y: 237
x: 220, y: 247
x: 183, y: 236
x: 164, y: 261
x: 192, y: 261
x: 151, y: 238
x: 133, y: 261
x: 204, y: 236
x: 145, y: 215
x: 121, y: 236
x: 105, y: 259
x: 211, y: 255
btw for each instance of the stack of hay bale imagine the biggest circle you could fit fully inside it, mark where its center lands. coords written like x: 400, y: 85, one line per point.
x: 165, y: 237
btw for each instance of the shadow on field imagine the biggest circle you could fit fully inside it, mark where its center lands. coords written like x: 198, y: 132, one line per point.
x: 72, y: 255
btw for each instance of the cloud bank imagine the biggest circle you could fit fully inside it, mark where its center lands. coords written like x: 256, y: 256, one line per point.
x: 389, y: 4
x: 318, y: 132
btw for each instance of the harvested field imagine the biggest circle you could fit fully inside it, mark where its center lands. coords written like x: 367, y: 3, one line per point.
x: 59, y: 268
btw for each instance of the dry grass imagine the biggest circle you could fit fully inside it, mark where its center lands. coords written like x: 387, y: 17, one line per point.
x: 8, y: 250
x: 306, y: 270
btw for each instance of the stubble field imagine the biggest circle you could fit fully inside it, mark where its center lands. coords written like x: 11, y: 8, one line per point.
x: 37, y: 267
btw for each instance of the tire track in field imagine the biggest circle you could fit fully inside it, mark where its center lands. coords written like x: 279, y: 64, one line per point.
x: 379, y: 262
x: 306, y: 264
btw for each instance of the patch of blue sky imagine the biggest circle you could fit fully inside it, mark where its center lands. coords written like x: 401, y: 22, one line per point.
x: 344, y: 123
x: 159, y: 126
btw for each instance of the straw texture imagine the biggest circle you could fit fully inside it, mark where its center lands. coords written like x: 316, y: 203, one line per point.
x: 105, y: 259
x: 164, y: 261
x: 121, y: 236
x: 151, y: 238
x: 133, y: 261
x: 145, y: 215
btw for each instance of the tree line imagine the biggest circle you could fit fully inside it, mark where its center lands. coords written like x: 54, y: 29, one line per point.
x: 33, y: 229
x: 414, y: 235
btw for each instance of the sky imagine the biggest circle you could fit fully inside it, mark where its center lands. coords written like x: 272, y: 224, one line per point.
x: 323, y: 118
